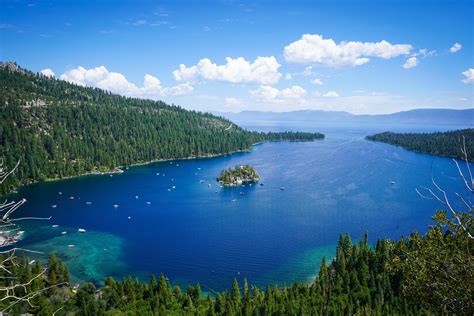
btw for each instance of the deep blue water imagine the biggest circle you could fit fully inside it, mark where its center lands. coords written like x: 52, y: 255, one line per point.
x: 195, y: 232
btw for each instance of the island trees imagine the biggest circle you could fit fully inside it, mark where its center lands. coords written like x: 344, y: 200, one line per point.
x: 238, y: 175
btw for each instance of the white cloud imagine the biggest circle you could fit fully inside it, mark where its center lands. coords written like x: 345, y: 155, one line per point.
x: 263, y: 70
x: 455, y: 48
x: 410, y: 63
x: 288, y: 76
x: 102, y: 78
x: 308, y: 71
x: 314, y: 49
x: 331, y: 94
x: 269, y: 93
x: 48, y: 72
x: 317, y: 81
x: 469, y: 74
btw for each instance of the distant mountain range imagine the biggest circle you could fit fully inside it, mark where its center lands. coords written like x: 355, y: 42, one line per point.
x: 418, y: 116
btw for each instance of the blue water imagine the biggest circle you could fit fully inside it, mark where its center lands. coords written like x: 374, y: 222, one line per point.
x: 196, y: 232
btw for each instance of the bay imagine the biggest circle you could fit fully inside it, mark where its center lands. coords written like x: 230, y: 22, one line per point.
x: 173, y: 217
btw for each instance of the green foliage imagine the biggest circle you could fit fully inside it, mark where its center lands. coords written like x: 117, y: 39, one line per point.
x: 418, y: 275
x: 58, y: 129
x: 238, y: 175
x: 439, y: 268
x: 447, y: 144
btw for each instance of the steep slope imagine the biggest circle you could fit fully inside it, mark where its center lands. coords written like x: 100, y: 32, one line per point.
x: 58, y: 129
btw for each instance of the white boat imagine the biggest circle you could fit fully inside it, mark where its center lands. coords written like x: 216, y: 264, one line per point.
x: 81, y: 230
x: 55, y: 225
x: 54, y: 206
x: 88, y: 203
x: 60, y: 193
x: 392, y: 182
x: 71, y: 198
x: 173, y: 187
x: 136, y: 196
x: 63, y: 233
x: 129, y: 217
x: 116, y: 205
x: 70, y: 246
x: 148, y: 202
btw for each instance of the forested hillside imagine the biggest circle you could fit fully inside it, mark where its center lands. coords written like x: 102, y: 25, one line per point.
x: 447, y: 144
x: 57, y: 129
x: 419, y: 275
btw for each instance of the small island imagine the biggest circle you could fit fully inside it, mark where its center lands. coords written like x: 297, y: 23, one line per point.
x: 238, y: 175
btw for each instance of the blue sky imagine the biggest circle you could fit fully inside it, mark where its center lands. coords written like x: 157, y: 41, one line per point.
x: 356, y: 56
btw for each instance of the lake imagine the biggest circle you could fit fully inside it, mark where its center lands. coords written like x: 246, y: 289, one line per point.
x: 172, y: 217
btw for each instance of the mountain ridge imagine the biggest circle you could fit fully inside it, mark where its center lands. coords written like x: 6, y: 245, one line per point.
x: 415, y: 116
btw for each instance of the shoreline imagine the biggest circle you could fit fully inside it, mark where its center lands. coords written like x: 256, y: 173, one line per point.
x: 119, y: 169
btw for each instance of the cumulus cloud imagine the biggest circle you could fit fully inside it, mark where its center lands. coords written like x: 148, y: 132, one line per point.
x: 48, y: 72
x: 455, y: 48
x: 331, y: 94
x: 410, y: 63
x: 101, y: 77
x: 269, y: 93
x: 469, y: 74
x: 317, y: 81
x: 314, y: 49
x: 263, y: 70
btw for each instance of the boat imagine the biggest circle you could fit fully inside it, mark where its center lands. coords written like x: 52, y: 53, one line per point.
x: 71, y: 198
x: 261, y: 184
x: 208, y: 185
x: 129, y: 217
x: 234, y: 200
x: 148, y: 202
x: 116, y: 205
x: 54, y: 206
x: 64, y: 233
x: 70, y: 246
x: 173, y: 187
x: 282, y: 188
x: 242, y: 193
x: 81, y: 230
x: 88, y: 203
x: 392, y: 182
x: 55, y: 225
x: 60, y: 193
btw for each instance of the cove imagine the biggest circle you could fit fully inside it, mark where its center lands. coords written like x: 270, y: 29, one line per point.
x: 173, y: 217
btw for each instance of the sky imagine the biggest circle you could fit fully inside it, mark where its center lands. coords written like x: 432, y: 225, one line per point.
x: 363, y: 57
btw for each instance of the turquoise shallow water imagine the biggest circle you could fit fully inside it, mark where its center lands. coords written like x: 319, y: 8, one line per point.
x: 172, y: 217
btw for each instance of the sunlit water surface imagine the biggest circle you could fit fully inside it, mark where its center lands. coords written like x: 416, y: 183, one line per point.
x: 173, y: 217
